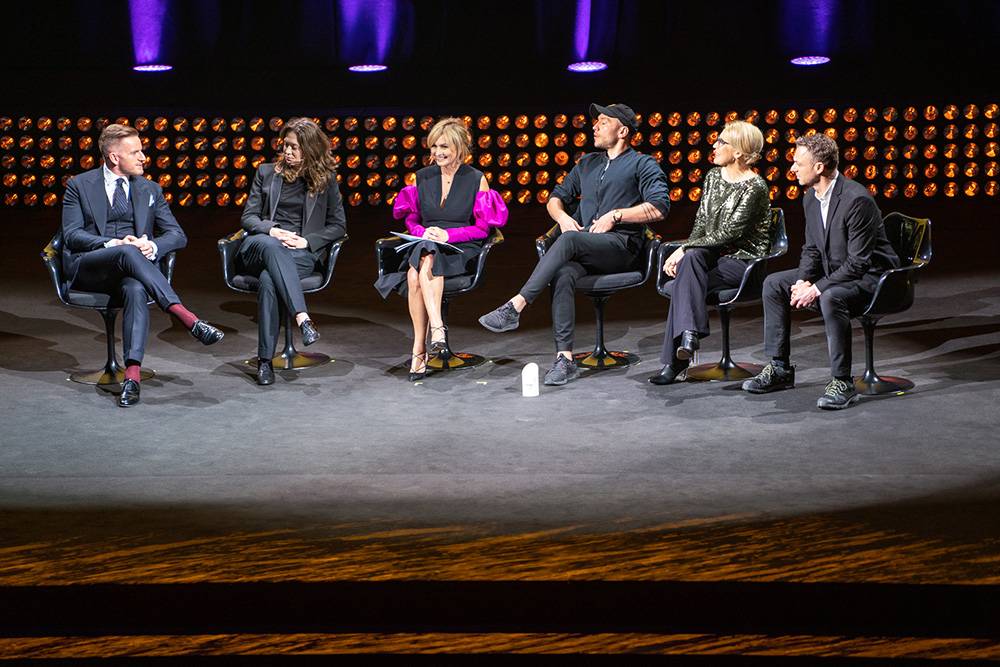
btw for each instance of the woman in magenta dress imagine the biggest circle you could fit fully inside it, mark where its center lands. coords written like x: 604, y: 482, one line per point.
x: 453, y: 203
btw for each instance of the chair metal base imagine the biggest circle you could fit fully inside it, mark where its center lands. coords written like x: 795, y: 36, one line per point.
x: 294, y: 360
x: 720, y: 372
x: 113, y: 373
x: 605, y: 359
x: 882, y: 385
x: 106, y: 376
x: 455, y: 361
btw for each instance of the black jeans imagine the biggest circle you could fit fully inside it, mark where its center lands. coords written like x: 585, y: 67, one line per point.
x: 837, y: 303
x: 280, y: 271
x: 572, y: 256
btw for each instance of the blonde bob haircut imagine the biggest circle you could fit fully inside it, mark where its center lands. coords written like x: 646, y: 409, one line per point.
x: 746, y: 138
x: 454, y: 132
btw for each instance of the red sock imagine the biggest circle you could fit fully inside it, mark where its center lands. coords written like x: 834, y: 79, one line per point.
x: 132, y: 372
x: 186, y: 317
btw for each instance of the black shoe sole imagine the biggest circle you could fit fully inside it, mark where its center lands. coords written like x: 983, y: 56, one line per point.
x: 684, y: 354
x: 851, y: 401
x: 769, y: 390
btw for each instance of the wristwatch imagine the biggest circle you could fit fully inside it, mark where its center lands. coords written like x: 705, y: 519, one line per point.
x: 616, y: 216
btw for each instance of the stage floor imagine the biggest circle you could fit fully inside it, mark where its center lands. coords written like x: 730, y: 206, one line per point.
x: 349, y: 472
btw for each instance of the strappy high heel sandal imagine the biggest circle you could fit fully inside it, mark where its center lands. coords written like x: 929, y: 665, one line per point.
x: 416, y: 376
x: 438, y: 346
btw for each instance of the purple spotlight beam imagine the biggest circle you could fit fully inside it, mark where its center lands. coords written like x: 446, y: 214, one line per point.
x: 587, y: 66
x: 147, y: 30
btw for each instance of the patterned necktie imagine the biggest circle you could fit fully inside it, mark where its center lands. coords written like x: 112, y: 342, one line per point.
x: 119, y: 205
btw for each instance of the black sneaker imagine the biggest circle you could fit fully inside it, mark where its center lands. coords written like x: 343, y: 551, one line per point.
x: 838, y: 395
x: 562, y: 371
x: 504, y: 318
x: 771, y: 378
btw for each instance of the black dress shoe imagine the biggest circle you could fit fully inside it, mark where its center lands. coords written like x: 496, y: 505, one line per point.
x: 309, y: 333
x: 129, y: 395
x: 667, y: 375
x: 206, y: 333
x: 265, y: 372
x: 689, y: 345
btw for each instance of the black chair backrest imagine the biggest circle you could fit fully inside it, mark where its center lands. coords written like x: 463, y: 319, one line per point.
x: 909, y: 237
x: 52, y: 257
x: 778, y: 233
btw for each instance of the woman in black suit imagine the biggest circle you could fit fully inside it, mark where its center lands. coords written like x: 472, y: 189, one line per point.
x: 292, y: 215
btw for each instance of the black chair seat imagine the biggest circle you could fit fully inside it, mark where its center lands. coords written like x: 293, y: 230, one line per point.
x: 715, y: 297
x: 458, y: 284
x: 610, y: 282
x: 388, y: 260
x: 105, y: 304
x: 310, y: 283
x: 600, y: 287
x: 89, y: 299
x: 726, y: 299
x: 290, y: 358
x: 911, y: 239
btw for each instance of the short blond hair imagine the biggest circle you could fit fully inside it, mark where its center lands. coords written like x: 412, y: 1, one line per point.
x: 453, y: 131
x: 112, y: 134
x: 746, y: 138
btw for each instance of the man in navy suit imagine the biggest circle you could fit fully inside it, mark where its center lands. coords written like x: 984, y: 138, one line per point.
x: 115, y: 226
x: 845, y: 253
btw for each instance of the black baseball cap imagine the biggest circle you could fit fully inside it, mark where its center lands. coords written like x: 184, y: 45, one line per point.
x: 622, y: 112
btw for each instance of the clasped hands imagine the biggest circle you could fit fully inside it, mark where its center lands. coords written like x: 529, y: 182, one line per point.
x: 288, y: 239
x: 804, y: 293
x: 604, y: 223
x: 144, y: 245
x: 435, y: 234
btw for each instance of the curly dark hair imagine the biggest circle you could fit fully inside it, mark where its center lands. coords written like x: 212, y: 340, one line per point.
x: 823, y: 150
x: 317, y: 166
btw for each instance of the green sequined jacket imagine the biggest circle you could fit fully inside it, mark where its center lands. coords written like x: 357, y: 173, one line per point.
x: 734, y: 216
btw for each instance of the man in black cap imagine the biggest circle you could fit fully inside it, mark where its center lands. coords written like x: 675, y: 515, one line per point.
x: 613, y: 193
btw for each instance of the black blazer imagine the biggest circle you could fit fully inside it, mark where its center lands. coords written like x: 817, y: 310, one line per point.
x: 324, y: 212
x: 853, y: 247
x: 85, y: 214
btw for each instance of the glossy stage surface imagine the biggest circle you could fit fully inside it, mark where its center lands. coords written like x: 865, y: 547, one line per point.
x: 804, y: 533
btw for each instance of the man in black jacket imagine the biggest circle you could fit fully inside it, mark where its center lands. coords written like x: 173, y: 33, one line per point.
x: 844, y: 254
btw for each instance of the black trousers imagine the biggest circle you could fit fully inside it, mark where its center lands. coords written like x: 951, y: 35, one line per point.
x: 280, y: 271
x: 572, y: 256
x: 837, y: 304
x: 131, y: 279
x: 701, y: 270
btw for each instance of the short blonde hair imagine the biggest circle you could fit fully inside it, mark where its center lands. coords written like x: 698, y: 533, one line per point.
x: 111, y: 135
x: 746, y: 138
x: 453, y: 131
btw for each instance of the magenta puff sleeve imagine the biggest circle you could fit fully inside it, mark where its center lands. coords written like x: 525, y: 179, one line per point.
x: 488, y: 211
x: 407, y: 208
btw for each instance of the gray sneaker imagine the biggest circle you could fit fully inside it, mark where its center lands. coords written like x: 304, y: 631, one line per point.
x: 562, y: 371
x: 838, y: 395
x: 504, y: 318
x: 771, y: 378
